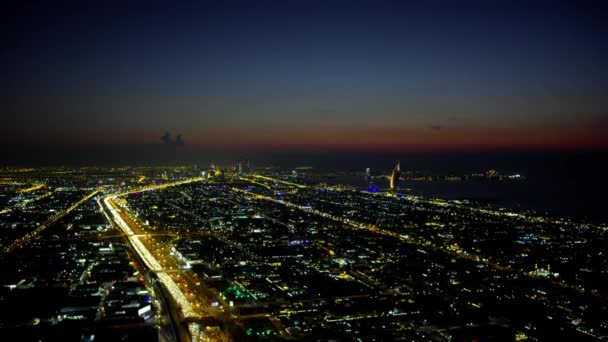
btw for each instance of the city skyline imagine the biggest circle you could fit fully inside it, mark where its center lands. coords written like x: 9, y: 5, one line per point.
x: 233, y: 254
x: 303, y: 170
x: 388, y: 76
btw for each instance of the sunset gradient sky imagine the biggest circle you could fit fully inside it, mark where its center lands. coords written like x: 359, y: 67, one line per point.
x: 369, y: 75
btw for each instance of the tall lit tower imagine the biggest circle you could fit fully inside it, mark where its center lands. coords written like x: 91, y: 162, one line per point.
x: 395, y: 176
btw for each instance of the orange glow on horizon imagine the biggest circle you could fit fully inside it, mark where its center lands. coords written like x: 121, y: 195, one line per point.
x: 308, y: 136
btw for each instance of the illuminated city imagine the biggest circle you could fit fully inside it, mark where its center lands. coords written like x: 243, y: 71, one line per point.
x: 230, y: 254
x: 304, y: 170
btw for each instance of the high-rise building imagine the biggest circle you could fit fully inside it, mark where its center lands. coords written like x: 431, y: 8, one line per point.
x: 194, y: 170
x: 368, y: 175
x: 395, y: 176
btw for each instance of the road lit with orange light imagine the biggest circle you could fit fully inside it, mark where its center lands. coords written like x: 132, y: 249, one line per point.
x: 48, y: 222
x: 459, y: 254
x: 155, y: 251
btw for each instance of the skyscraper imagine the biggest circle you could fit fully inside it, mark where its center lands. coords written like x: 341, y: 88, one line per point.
x: 395, y: 176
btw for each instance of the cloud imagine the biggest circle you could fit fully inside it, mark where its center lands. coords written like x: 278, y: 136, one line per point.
x: 179, y: 141
x: 168, y: 140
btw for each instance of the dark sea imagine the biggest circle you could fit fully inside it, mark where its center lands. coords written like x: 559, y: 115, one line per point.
x: 568, y: 184
x: 544, y: 196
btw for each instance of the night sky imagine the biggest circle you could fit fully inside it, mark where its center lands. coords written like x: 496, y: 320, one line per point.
x: 344, y: 75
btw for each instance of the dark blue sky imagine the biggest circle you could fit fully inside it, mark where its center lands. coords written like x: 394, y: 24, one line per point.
x: 373, y: 75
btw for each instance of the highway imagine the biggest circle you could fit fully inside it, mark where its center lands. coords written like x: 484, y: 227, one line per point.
x: 177, y: 333
x: 149, y: 260
x: 186, y: 303
x: 49, y: 222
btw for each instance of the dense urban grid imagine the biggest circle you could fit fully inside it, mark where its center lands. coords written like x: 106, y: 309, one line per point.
x: 226, y: 253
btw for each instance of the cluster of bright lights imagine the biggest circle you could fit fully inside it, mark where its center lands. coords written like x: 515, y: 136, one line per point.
x: 160, y: 186
x: 49, y: 222
x: 195, y: 332
x: 276, y: 180
x: 310, y: 210
x: 26, y: 202
x: 417, y: 241
x: 151, y: 261
x: 177, y: 294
